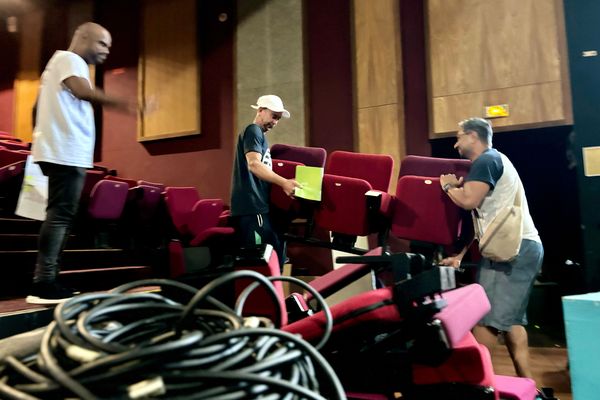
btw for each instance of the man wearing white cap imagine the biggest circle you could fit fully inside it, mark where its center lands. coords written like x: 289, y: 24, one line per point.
x: 253, y: 176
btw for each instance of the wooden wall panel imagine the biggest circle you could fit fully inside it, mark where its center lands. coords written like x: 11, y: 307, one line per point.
x: 168, y: 70
x: 27, y: 81
x: 509, y: 48
x: 378, y: 78
x: 380, y: 123
x: 542, y: 103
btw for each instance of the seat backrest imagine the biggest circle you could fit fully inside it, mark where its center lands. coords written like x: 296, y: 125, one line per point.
x: 373, y: 168
x: 259, y: 302
x: 8, y: 136
x: 8, y: 156
x: 434, y: 166
x: 311, y: 156
x: 160, y: 186
x: 286, y: 169
x: 130, y: 182
x: 180, y: 202
x: 422, y: 211
x: 92, y: 177
x: 107, y: 200
x: 11, y: 170
x: 147, y: 204
x: 14, y: 145
x: 343, y: 205
x: 205, y: 214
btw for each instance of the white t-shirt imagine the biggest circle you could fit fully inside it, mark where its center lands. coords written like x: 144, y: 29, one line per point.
x: 495, y: 169
x: 64, y: 132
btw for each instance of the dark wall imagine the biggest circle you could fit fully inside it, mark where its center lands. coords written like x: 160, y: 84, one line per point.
x: 329, y: 64
x: 414, y: 69
x: 583, y: 33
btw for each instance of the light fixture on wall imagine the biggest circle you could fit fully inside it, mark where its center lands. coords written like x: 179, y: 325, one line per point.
x: 12, y: 25
x: 223, y: 17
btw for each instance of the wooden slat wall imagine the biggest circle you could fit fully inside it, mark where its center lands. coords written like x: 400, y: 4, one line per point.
x: 486, y: 52
x: 168, y: 70
x: 27, y: 82
x: 378, y: 79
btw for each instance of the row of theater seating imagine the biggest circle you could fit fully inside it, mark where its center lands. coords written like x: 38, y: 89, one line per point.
x: 411, y: 336
x: 419, y: 210
x: 355, y: 202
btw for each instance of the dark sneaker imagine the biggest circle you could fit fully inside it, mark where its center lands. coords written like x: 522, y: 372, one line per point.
x: 48, y: 293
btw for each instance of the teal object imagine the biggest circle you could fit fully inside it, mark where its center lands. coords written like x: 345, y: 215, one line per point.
x: 582, y: 327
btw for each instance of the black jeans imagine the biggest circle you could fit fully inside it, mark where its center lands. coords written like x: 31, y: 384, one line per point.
x: 257, y: 229
x: 65, y: 184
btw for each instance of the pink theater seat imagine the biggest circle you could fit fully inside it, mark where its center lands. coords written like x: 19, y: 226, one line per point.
x: 160, y: 186
x: 196, y: 219
x: 15, y: 145
x: 259, y: 303
x: 286, y: 169
x: 311, y: 156
x: 422, y: 211
x: 130, y: 182
x: 8, y: 156
x: 7, y: 172
x: 9, y: 136
x: 107, y: 200
x: 92, y: 177
x: 373, y: 168
x: 434, y: 166
x: 343, y: 206
x: 344, y: 211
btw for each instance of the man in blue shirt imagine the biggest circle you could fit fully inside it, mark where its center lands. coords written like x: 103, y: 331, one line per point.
x: 491, y: 186
x: 253, y: 175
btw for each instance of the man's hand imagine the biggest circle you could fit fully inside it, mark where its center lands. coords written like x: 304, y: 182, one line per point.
x: 451, y: 180
x: 289, y: 186
x: 451, y: 261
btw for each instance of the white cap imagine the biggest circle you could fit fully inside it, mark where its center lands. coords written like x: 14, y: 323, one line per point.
x: 273, y: 103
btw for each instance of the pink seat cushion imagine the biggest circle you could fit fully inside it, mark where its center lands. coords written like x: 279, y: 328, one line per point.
x: 514, y: 388
x: 467, y: 305
x: 469, y: 363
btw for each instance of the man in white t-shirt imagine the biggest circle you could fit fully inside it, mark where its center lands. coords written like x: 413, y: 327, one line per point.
x: 490, y: 186
x: 63, y: 146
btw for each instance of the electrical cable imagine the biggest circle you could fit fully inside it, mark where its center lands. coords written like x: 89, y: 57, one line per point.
x: 125, y: 344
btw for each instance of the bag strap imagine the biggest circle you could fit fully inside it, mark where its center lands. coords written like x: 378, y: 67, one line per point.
x: 519, y: 194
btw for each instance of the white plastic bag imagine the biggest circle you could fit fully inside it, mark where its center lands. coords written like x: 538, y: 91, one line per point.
x: 34, y: 193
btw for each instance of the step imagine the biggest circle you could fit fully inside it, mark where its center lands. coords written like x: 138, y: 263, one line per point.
x: 88, y: 279
x: 17, y: 224
x: 24, y: 260
x: 105, y: 278
x: 17, y: 316
x: 29, y: 241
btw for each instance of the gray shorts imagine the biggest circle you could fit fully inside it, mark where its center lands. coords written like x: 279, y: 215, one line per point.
x: 508, y: 286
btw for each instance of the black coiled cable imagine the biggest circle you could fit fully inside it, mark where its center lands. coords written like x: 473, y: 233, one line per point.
x: 124, y: 345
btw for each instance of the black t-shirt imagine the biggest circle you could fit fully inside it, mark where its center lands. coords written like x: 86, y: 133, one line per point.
x: 249, y: 194
x: 487, y: 168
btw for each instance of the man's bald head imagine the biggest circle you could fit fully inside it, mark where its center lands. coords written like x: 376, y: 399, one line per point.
x: 92, y: 42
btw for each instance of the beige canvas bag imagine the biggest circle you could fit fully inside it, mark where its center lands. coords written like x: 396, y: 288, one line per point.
x: 502, y: 240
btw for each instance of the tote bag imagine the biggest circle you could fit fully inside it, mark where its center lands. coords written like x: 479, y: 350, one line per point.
x: 501, y: 241
x: 34, y: 193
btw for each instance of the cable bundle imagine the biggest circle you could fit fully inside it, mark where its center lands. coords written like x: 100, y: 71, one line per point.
x: 128, y: 345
